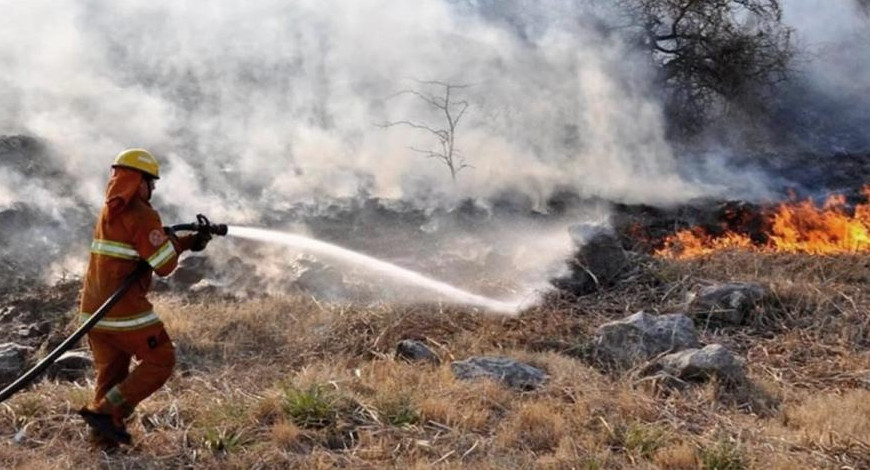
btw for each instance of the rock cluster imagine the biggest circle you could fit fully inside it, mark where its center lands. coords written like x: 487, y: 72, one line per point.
x: 33, y: 319
x: 668, y: 346
x: 664, y: 346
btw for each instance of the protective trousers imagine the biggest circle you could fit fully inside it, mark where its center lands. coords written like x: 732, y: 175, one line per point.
x: 119, y: 390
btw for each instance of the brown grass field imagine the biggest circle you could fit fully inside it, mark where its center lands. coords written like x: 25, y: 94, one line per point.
x: 288, y: 382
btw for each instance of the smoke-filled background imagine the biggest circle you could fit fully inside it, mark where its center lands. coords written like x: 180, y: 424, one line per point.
x: 830, y: 96
x: 276, y: 114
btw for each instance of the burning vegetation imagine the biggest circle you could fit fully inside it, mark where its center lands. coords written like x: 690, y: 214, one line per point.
x: 798, y: 226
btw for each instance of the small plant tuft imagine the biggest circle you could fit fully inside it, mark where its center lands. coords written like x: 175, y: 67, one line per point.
x: 593, y: 463
x: 723, y: 456
x: 313, y: 407
x: 223, y: 440
x: 400, y: 412
x: 638, y: 439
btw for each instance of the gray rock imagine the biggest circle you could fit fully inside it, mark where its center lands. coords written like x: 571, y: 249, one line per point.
x: 71, y: 365
x: 26, y: 332
x: 34, y: 330
x: 13, y: 359
x: 700, y: 365
x: 414, y: 351
x: 641, y: 336
x: 729, y: 304
x: 512, y: 373
x: 8, y: 313
x: 599, y: 261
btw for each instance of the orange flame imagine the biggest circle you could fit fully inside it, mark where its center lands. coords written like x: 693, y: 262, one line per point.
x: 794, y: 227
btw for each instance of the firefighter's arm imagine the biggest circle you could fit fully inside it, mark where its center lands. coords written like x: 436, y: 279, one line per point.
x: 154, y: 245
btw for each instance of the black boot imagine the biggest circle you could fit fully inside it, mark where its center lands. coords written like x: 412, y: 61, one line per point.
x: 105, y: 426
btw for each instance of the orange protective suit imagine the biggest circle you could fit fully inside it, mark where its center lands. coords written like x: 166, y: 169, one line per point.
x: 128, y: 231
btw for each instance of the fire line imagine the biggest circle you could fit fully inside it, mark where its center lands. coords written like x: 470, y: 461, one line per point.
x: 791, y: 227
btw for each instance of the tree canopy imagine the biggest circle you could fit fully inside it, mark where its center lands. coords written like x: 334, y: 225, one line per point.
x: 713, y: 55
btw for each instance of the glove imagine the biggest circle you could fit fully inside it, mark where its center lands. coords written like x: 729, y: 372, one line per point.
x: 200, y: 241
x: 194, y: 242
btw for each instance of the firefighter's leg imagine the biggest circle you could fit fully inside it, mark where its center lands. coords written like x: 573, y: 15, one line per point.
x: 157, y: 355
x: 111, y: 364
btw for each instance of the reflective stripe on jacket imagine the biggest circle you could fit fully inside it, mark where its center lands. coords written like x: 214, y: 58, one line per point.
x: 113, y: 249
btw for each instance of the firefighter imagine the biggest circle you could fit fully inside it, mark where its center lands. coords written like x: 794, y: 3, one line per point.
x: 129, y: 231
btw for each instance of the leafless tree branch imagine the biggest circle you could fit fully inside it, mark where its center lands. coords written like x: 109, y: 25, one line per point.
x: 452, y: 111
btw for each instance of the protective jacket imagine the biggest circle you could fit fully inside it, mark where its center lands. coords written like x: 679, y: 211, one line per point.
x: 128, y: 230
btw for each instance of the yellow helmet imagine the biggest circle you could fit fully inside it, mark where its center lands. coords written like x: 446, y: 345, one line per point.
x: 138, y: 159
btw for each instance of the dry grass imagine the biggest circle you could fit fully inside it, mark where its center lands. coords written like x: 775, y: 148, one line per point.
x: 287, y: 382
x: 679, y: 456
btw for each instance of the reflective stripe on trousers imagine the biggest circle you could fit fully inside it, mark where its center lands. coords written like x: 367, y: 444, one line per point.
x: 134, y: 322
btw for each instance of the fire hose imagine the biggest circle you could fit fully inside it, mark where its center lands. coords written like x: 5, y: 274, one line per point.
x: 202, y: 225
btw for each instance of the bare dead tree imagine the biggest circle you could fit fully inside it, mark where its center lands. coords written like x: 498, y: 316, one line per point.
x: 452, y: 111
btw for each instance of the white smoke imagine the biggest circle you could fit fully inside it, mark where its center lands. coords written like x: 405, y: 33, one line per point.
x: 277, y: 102
x: 837, y: 43
x: 834, y: 58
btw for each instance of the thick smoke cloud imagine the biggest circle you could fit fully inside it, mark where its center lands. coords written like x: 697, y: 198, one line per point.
x: 264, y: 105
x: 831, y: 98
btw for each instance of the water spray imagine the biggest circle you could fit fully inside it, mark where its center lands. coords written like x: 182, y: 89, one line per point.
x: 317, y: 247
x: 406, y: 276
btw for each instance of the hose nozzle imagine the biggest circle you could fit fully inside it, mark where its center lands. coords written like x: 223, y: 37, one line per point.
x: 203, y: 224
